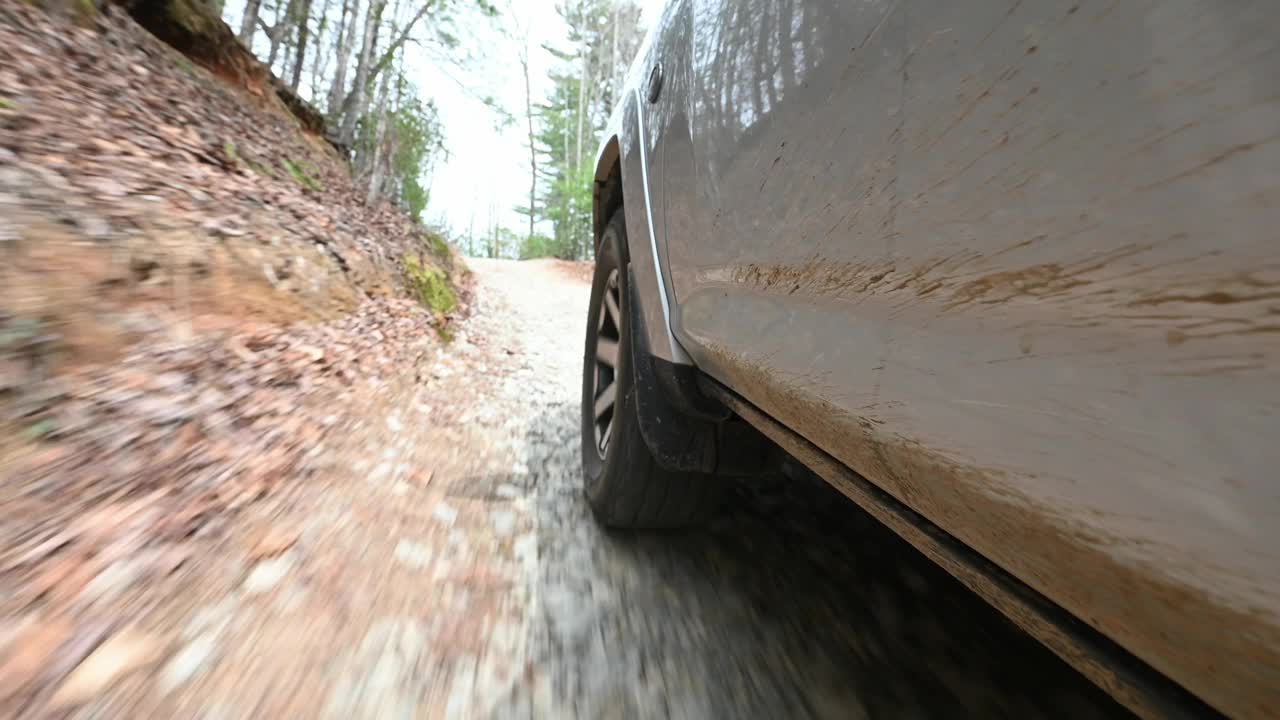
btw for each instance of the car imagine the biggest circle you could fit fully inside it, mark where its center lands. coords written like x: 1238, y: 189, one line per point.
x: 1005, y: 273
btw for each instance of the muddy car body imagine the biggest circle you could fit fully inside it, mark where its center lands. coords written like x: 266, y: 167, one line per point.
x: 1006, y: 273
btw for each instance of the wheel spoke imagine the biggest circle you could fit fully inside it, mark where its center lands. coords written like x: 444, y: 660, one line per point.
x: 605, y: 401
x: 611, y: 304
x: 607, y: 351
x: 604, y: 438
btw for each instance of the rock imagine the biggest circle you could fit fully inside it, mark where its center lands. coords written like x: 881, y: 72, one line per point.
x: 504, y: 522
x: 267, y: 574
x: 115, y: 578
x: 121, y: 654
x: 412, y: 554
x: 190, y: 661
x: 445, y: 514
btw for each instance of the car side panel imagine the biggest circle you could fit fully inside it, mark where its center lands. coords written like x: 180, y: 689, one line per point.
x: 639, y: 125
x: 768, y: 184
x: 1016, y: 262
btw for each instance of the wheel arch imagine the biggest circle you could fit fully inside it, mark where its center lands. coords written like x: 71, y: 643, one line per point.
x: 606, y: 191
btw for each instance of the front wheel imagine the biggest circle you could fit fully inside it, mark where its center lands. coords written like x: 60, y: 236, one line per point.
x: 625, y: 486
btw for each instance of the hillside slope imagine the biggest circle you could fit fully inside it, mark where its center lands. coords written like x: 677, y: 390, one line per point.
x: 131, y: 175
x: 194, y: 299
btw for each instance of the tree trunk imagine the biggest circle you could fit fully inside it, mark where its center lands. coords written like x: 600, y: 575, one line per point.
x: 283, y: 22
x: 389, y: 53
x: 377, y: 173
x: 249, y: 23
x: 533, y: 146
x: 320, y: 59
x: 399, y: 41
x: 300, y: 53
x: 582, y: 106
x: 346, y: 39
x: 355, y: 103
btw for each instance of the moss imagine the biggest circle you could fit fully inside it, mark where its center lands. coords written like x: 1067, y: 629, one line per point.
x: 190, y: 16
x: 19, y: 331
x: 229, y: 149
x: 184, y: 65
x: 438, y: 246
x: 41, y: 429
x: 261, y: 169
x: 430, y: 285
x: 7, y: 105
x: 299, y: 176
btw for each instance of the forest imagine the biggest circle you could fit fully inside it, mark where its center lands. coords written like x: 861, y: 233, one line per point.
x: 350, y: 59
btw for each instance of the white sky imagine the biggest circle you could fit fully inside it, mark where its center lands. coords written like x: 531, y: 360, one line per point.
x: 486, y: 173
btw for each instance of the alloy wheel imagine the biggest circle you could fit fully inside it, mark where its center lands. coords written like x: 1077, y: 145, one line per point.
x: 608, y: 337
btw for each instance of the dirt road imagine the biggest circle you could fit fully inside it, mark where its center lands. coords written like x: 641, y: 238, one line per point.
x: 442, y: 563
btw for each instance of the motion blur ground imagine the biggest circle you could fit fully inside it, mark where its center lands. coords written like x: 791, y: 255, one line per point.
x: 440, y: 561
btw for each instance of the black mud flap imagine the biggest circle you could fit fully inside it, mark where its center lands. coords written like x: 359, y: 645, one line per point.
x: 685, y: 429
x: 678, y: 441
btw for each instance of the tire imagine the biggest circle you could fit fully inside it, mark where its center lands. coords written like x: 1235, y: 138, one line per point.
x: 625, y: 486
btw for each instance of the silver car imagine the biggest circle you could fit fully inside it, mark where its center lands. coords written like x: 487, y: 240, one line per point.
x: 1006, y: 273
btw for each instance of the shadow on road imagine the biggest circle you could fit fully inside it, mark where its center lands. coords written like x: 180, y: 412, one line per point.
x: 791, y: 602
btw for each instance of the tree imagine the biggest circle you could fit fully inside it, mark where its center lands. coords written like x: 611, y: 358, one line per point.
x: 345, y: 40
x: 533, y: 144
x: 570, y: 121
x: 353, y: 105
x: 249, y: 23
x: 300, y: 51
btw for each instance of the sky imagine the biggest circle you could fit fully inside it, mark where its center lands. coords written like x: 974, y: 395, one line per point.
x: 486, y: 174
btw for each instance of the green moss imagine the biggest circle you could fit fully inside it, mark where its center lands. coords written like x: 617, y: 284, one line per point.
x: 7, y: 104
x: 87, y: 10
x: 19, y: 331
x: 430, y: 285
x: 299, y: 176
x: 261, y: 169
x: 184, y: 65
x: 229, y: 149
x: 437, y: 246
x: 41, y: 429
x: 191, y: 16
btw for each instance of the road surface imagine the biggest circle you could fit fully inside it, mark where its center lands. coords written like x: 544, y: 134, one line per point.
x: 441, y: 562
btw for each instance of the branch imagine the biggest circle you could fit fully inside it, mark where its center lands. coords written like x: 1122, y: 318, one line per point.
x: 390, y: 52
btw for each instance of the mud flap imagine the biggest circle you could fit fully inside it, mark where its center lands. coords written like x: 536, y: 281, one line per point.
x: 677, y: 441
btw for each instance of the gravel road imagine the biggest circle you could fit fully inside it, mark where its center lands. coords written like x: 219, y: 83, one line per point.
x: 438, y: 561
x: 792, y: 603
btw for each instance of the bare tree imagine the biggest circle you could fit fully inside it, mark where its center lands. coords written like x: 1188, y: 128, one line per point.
x: 533, y: 142
x: 354, y: 104
x: 356, y: 101
x: 249, y: 23
x: 380, y: 158
x: 300, y: 52
x: 346, y: 39
x: 320, y: 58
x: 277, y: 32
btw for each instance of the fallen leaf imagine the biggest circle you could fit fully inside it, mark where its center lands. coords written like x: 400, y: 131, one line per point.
x: 274, y: 542
x: 122, y: 653
x: 33, y: 650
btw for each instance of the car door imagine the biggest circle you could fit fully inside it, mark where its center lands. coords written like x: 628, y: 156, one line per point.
x: 1015, y: 262
x: 757, y: 191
